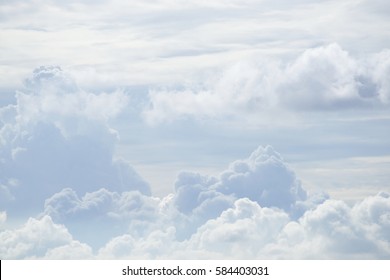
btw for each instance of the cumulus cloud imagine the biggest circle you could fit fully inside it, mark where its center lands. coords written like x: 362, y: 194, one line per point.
x: 227, y: 216
x: 263, y: 182
x: 322, y: 78
x: 51, y: 94
x: 338, y: 231
x: 57, y: 136
x: 106, y: 212
x: 75, y: 250
x: 240, y: 231
x: 263, y: 177
x: 158, y: 244
x: 331, y: 230
x: 37, y: 238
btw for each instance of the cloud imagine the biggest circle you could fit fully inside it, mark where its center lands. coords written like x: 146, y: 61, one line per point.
x: 322, y: 78
x: 57, y: 136
x: 129, y: 224
x: 243, y: 63
x: 58, y: 164
x: 114, y: 32
x: 240, y: 231
x: 156, y: 245
x: 239, y: 89
x: 73, y: 251
x: 262, y: 177
x: 331, y: 230
x: 373, y: 216
x: 50, y: 92
x: 37, y: 238
x: 109, y: 213
x: 208, y: 218
x: 338, y: 231
x: 166, y: 42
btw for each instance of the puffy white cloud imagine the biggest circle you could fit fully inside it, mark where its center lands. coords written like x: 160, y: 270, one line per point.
x: 52, y: 94
x: 115, y: 225
x: 108, y: 213
x: 73, y: 251
x: 101, y: 202
x: 239, y: 232
x: 158, y: 244
x: 151, y: 228
x: 337, y: 231
x: 56, y: 136
x: 322, y: 78
x: 373, y: 215
x: 262, y: 177
x: 332, y: 230
x: 36, y: 238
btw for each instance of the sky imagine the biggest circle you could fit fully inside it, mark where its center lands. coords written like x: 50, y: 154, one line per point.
x: 194, y: 129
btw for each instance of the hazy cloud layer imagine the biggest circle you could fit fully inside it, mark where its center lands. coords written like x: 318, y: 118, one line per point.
x: 110, y: 43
